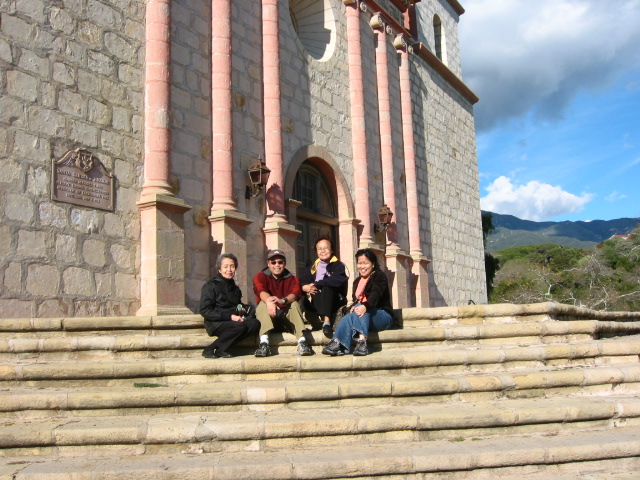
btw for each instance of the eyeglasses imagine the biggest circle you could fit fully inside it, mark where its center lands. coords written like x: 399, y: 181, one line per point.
x: 276, y: 262
x: 322, y: 249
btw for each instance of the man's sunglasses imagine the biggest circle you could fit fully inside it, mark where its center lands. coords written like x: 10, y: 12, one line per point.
x: 276, y: 262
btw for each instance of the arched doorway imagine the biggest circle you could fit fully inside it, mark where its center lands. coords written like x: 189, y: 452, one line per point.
x: 316, y: 215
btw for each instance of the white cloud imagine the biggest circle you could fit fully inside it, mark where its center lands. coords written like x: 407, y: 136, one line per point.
x: 524, y: 56
x: 614, y: 196
x: 534, y: 201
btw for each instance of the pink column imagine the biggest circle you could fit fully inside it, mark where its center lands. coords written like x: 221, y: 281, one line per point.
x: 384, y: 116
x: 409, y: 155
x: 162, y: 289
x: 358, y: 133
x: 221, y: 109
x: 157, y: 97
x: 419, y: 267
x: 272, y: 112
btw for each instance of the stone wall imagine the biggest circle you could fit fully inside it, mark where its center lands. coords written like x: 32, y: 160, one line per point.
x: 449, y: 190
x: 449, y: 18
x: 71, y: 75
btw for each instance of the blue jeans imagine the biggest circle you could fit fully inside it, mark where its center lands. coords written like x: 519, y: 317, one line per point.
x: 351, y: 325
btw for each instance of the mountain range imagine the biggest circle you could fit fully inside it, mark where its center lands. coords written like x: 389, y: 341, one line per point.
x: 512, y: 231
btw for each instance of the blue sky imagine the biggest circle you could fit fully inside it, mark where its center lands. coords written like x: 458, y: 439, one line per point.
x: 558, y: 122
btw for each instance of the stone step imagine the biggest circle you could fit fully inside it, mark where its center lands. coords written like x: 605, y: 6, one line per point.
x: 339, y: 461
x: 439, y: 358
x: 272, y: 430
x: 343, y: 390
x: 408, y: 317
x: 191, y: 344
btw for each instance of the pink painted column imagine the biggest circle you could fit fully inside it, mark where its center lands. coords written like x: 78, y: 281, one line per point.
x: 384, y: 116
x: 221, y: 106
x: 162, y: 289
x: 278, y: 232
x: 272, y: 108
x: 420, y: 262
x: 358, y: 131
x: 157, y: 98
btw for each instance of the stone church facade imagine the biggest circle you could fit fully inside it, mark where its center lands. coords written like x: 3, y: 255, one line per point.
x: 149, y: 114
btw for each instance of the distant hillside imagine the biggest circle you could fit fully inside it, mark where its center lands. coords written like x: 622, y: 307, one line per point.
x: 513, y: 232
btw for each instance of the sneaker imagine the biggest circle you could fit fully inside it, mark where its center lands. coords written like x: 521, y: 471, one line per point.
x: 333, y: 348
x: 361, y: 349
x: 304, y: 350
x: 263, y: 350
x: 326, y: 329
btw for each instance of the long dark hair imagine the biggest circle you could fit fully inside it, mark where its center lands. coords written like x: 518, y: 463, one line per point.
x: 370, y: 255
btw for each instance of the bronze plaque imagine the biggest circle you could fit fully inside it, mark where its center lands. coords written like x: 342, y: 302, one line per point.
x: 79, y: 177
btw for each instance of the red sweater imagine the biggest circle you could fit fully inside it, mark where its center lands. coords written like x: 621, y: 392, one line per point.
x: 287, y: 284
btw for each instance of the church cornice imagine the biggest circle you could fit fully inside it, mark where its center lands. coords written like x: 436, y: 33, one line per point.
x: 429, y: 57
x: 424, y: 53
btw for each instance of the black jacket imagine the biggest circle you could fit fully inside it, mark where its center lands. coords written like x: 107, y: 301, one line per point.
x: 336, y: 278
x: 219, y: 299
x: 376, y: 291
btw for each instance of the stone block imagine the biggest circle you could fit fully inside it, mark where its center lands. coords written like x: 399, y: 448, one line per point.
x: 46, y: 121
x: 83, y: 133
x: 16, y: 308
x: 100, y: 63
x: 98, y: 112
x: 52, y: 214
x: 93, y: 252
x: 16, y: 28
x: 88, y: 308
x: 63, y: 73
x: 103, y: 284
x: 77, y: 281
x: 59, y: 19
x: 72, y: 103
x: 31, y: 244
x: 13, y: 278
x: 65, y: 248
x: 33, y: 63
x: 43, y: 280
x: 22, y: 85
x: 5, y: 240
x: 58, y: 307
x: 104, y: 15
x: 121, y: 256
x: 126, y: 286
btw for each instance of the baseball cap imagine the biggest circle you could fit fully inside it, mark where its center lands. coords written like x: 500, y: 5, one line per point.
x: 275, y: 253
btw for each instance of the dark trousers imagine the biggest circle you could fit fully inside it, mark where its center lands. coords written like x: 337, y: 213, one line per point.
x: 326, y: 302
x: 230, y: 333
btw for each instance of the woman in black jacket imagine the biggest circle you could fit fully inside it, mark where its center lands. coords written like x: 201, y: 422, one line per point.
x: 223, y: 311
x: 371, y: 310
x: 325, y: 284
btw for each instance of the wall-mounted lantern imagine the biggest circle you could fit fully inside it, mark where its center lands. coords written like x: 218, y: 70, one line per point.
x: 258, y: 176
x: 384, y: 218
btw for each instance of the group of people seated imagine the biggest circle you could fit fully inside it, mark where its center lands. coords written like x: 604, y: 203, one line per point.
x: 323, y: 288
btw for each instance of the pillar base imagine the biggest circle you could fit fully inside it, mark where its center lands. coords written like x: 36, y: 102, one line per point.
x: 420, y: 280
x: 162, y: 290
x: 229, y: 233
x: 280, y: 234
x: 397, y: 263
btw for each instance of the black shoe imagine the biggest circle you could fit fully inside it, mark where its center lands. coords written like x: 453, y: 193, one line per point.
x: 326, y: 329
x: 210, y: 352
x: 223, y: 354
x: 263, y: 350
x: 361, y: 349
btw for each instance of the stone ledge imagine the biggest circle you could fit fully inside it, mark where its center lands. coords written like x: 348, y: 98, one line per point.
x: 284, y: 391
x: 357, y: 460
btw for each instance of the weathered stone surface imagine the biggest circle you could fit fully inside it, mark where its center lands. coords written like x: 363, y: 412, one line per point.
x: 42, y: 279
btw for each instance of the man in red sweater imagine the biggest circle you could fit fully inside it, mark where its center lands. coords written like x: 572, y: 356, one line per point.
x: 277, y: 293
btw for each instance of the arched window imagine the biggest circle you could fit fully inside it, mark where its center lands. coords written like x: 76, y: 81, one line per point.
x: 440, y: 45
x: 316, y: 215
